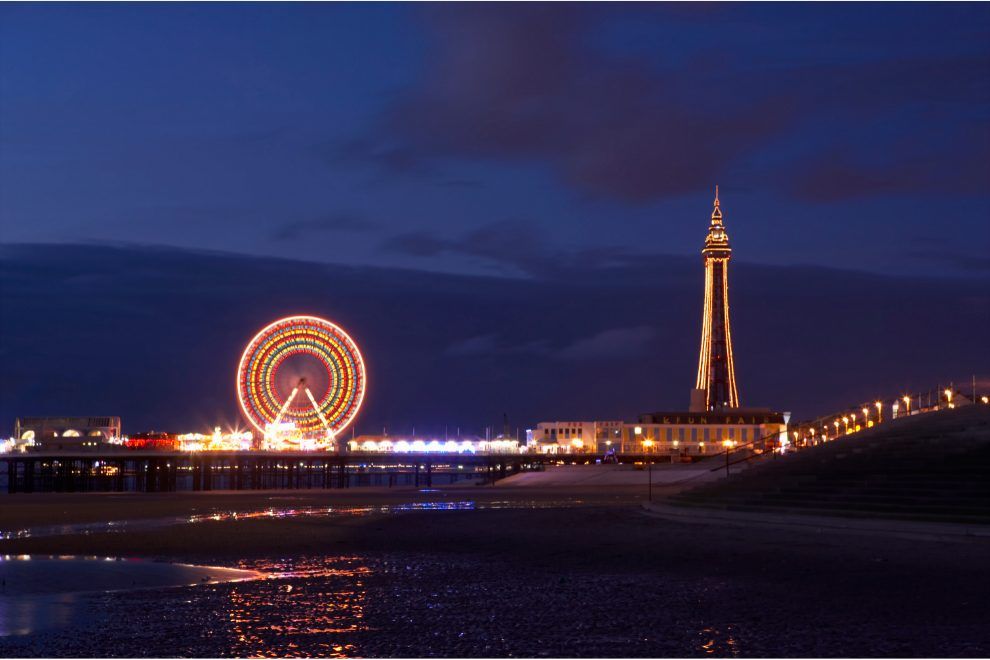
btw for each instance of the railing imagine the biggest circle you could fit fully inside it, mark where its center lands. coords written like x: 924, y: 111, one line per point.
x: 869, y: 414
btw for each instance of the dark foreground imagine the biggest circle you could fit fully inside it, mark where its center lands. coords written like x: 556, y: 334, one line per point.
x: 597, y: 579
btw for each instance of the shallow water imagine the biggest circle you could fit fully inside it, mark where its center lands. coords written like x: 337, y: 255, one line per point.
x: 45, y: 592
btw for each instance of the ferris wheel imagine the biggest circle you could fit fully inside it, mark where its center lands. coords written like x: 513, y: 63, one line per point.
x: 301, y: 372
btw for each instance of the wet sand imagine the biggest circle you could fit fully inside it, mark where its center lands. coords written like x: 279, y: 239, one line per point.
x: 596, y: 579
x: 36, y: 509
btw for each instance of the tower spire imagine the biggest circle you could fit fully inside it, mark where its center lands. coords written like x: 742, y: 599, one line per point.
x: 717, y: 210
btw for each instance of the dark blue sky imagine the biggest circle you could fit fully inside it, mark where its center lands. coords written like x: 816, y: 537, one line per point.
x: 570, y: 146
x: 448, y: 137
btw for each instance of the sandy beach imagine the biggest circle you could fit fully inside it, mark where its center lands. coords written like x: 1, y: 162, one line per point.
x: 520, y: 578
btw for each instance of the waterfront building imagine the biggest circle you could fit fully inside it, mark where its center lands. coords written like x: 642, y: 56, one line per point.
x: 715, y: 386
x: 681, y: 435
x: 575, y: 437
x: 66, y: 432
x: 674, y: 435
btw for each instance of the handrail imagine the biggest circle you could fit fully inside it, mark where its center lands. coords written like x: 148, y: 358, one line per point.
x: 728, y: 452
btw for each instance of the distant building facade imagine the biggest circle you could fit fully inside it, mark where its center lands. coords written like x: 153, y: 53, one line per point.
x: 66, y: 432
x: 576, y: 437
x: 680, y: 434
x: 674, y: 435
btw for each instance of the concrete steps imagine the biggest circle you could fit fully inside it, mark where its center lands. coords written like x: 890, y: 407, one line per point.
x: 930, y: 467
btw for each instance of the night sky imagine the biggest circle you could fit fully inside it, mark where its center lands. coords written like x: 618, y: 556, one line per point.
x: 504, y: 204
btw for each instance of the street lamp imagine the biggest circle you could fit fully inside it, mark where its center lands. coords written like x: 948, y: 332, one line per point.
x: 845, y: 420
x: 907, y: 404
x: 879, y: 406
x: 948, y: 396
x: 647, y: 443
x: 836, y: 422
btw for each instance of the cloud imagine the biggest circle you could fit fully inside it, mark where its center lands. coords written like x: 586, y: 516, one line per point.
x: 523, y: 83
x: 605, y: 348
x: 334, y: 222
x: 959, y: 261
x: 514, y: 246
x: 532, y: 83
x: 615, y: 343
x: 959, y: 164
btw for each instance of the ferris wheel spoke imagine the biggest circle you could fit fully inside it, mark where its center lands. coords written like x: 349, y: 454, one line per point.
x: 285, y: 406
x: 316, y: 407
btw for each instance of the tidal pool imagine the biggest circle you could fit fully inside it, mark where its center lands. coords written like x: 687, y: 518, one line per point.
x: 38, y: 592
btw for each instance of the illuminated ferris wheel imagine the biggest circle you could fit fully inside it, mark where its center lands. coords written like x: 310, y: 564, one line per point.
x: 301, y: 373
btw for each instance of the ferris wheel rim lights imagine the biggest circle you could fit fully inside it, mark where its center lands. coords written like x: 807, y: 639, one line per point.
x: 313, y: 335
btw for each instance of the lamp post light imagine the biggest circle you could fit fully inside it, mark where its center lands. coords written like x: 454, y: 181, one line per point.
x: 866, y: 416
x: 879, y: 406
x: 948, y: 397
x: 845, y: 420
x: 907, y: 404
x: 836, y: 423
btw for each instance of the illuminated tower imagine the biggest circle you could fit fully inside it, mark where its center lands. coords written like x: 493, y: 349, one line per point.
x: 716, y: 385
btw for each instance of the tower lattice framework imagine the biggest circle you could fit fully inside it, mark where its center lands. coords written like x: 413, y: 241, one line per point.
x: 715, y: 388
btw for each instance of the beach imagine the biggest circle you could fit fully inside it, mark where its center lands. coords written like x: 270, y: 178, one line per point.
x: 554, y: 572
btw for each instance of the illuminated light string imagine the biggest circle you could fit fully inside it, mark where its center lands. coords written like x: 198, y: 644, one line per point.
x: 332, y: 361
x: 733, y: 393
x: 717, y: 254
x: 336, y: 402
x: 257, y: 394
x: 273, y: 354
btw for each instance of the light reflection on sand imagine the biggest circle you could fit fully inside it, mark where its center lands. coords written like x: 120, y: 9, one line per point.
x: 279, y: 618
x: 142, y: 524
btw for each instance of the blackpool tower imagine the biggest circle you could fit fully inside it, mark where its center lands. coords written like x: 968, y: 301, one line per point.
x: 715, y: 388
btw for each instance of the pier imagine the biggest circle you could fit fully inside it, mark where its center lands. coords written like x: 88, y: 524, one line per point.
x: 158, y: 472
